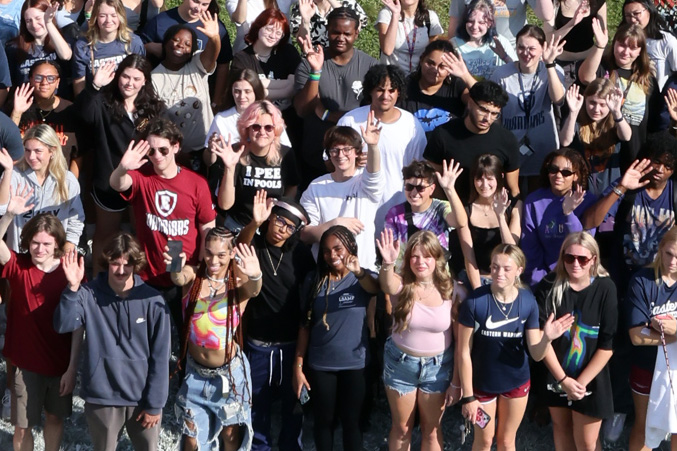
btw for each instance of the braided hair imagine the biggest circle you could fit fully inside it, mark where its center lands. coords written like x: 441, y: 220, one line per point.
x: 322, y: 274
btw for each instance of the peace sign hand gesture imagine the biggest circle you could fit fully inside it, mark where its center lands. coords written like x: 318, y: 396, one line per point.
x: 373, y: 132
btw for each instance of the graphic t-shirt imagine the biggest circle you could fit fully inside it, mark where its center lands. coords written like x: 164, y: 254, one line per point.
x: 168, y: 209
x: 482, y: 61
x: 510, y: 15
x: 115, y: 51
x: 499, y: 356
x: 20, y: 69
x: 31, y: 343
x: 644, y: 300
x: 436, y: 109
x: 344, y: 345
x: 595, y: 311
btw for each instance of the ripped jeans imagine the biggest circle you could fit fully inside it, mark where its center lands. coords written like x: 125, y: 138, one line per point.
x: 211, y: 400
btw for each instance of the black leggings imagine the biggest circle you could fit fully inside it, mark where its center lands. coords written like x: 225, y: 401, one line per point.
x: 345, y: 388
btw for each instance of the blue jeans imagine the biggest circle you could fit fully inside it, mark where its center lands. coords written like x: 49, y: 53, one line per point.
x: 405, y: 373
x: 271, y: 372
x: 213, y: 398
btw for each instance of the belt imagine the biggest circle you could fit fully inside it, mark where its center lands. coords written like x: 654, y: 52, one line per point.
x: 212, y: 372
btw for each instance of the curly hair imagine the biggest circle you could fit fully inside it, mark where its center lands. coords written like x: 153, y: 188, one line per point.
x: 429, y: 245
x: 578, y: 165
x: 376, y: 77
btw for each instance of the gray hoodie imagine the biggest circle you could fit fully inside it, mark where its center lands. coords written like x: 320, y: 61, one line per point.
x: 127, y: 343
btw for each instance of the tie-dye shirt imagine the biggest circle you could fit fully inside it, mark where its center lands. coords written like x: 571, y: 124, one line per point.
x: 209, y: 323
x: 433, y: 219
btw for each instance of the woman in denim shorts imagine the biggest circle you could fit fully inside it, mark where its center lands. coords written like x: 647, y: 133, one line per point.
x: 418, y: 356
x: 492, y: 360
x: 214, y: 399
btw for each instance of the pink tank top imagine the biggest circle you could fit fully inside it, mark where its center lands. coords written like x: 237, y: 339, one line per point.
x: 429, y: 330
x: 209, y: 323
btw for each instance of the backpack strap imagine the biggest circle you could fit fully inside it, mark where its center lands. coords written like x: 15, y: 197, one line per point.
x: 409, y: 216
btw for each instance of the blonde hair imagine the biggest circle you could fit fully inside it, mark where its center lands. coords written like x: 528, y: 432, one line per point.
x: 515, y: 254
x: 57, y: 166
x: 430, y: 245
x: 562, y: 277
x: 124, y: 34
x: 670, y: 237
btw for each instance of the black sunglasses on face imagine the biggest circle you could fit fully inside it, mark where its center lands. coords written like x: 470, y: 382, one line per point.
x: 565, y: 172
x: 164, y: 151
x: 419, y: 188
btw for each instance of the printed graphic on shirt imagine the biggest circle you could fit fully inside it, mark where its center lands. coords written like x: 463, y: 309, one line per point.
x: 647, y: 227
x: 269, y: 178
x: 165, y: 203
x: 346, y: 300
x: 577, y: 336
x: 669, y: 307
x: 492, y: 324
x: 432, y: 118
x: 357, y: 88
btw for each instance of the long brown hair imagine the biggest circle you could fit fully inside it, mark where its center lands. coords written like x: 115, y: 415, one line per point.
x: 600, y: 137
x: 642, y: 73
x: 430, y: 245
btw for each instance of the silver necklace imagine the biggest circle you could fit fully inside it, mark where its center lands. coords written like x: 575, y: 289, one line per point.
x: 219, y: 284
x: 275, y: 268
x: 502, y: 306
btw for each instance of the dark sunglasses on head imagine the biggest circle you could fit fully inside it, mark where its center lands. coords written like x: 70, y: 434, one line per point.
x: 257, y: 127
x: 565, y: 172
x: 419, y: 188
x: 571, y: 258
x: 164, y: 151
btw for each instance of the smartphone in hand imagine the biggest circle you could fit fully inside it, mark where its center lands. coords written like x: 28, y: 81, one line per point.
x: 175, y: 249
x: 482, y: 418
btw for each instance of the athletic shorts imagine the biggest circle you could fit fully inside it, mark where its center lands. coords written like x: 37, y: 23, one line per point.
x: 640, y: 380
x: 31, y: 392
x: 519, y: 392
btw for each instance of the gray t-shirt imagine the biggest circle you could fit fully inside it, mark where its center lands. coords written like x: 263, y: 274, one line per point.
x: 511, y: 15
x: 531, y: 96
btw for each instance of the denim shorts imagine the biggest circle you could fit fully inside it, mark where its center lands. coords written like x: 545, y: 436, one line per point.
x: 211, y: 399
x: 405, y: 373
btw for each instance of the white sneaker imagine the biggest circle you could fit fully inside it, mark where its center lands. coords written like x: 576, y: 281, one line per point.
x: 6, y: 401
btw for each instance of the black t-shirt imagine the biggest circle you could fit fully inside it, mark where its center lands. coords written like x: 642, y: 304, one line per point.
x: 258, y: 174
x: 595, y: 309
x: 281, y: 64
x: 62, y: 119
x: 273, y: 315
x: 437, y: 109
x: 454, y: 140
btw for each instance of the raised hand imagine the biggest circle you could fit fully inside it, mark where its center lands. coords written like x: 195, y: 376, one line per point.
x: 553, y: 48
x: 600, y: 32
x: 249, y: 262
x: 314, y: 55
x: 671, y: 101
x: 352, y: 263
x: 553, y: 329
x: 135, y: 155
x: 634, y: 175
x: 373, y: 132
x: 210, y: 25
x: 222, y: 149
x: 6, y: 162
x: 574, y: 99
x: 18, y: 203
x: 581, y: 12
x: 394, y: 6
x: 74, y: 269
x: 615, y: 101
x: 104, y: 74
x: 388, y: 247
x: 498, y: 48
x: 50, y: 12
x: 501, y: 202
x: 456, y: 65
x: 450, y: 173
x: 262, y: 207
x: 167, y: 259
x: 353, y: 224
x: 572, y: 200
x: 307, y: 9
x: 23, y: 98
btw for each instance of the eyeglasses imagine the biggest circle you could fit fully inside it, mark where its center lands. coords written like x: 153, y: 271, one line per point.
x: 569, y: 259
x: 49, y: 78
x: 334, y: 151
x: 257, y: 128
x: 487, y: 112
x: 418, y: 188
x: 273, y: 31
x: 634, y: 14
x: 565, y: 172
x: 283, y: 225
x: 164, y: 151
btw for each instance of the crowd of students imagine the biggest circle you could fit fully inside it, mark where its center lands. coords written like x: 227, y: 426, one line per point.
x: 314, y: 224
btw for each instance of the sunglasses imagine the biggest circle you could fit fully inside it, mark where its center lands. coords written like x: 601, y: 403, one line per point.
x: 334, y: 151
x: 164, y: 151
x: 565, y: 172
x: 49, y: 78
x: 269, y: 128
x: 419, y: 188
x: 569, y: 259
x: 282, y: 225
